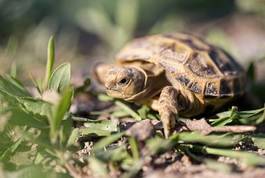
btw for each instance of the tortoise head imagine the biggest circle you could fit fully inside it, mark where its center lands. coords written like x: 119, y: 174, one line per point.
x: 124, y: 82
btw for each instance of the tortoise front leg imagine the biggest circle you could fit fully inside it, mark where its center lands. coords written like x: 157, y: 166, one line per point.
x: 168, y: 108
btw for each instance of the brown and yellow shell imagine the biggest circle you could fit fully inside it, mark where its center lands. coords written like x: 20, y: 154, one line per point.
x: 196, y: 65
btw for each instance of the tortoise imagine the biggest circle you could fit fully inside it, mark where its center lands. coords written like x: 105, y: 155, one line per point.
x: 177, y: 74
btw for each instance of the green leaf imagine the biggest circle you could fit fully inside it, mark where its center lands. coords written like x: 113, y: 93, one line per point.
x: 120, y: 113
x: 10, y: 150
x: 128, y: 110
x: 143, y: 111
x: 11, y: 86
x: 88, y: 131
x: 32, y: 107
x: 36, y: 106
x: 213, y: 140
x: 103, y: 97
x: 72, y: 140
x: 107, y: 140
x: 107, y: 125
x: 60, y: 78
x: 247, y: 158
x: 65, y: 130
x: 251, y: 117
x: 50, y: 62
x: 38, y: 84
x: 226, y: 117
x: 250, y: 159
x: 98, y: 127
x: 134, y: 148
x: 113, y: 155
x: 259, y: 141
x: 159, y: 145
x: 20, y: 117
x: 6, y: 98
x: 59, y: 112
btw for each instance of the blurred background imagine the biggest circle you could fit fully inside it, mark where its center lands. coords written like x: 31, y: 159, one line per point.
x: 90, y: 30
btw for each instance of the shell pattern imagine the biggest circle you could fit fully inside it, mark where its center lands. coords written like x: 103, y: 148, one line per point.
x: 198, y: 66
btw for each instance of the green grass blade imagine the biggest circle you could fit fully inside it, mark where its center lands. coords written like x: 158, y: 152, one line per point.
x: 118, y: 154
x: 59, y: 112
x: 35, y: 106
x: 128, y: 110
x: 50, y: 61
x: 107, y: 140
x: 158, y: 145
x: 134, y: 148
x: 250, y: 117
x: 250, y: 159
x: 211, y: 140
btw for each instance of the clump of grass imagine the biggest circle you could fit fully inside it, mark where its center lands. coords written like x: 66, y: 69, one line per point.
x: 36, y: 127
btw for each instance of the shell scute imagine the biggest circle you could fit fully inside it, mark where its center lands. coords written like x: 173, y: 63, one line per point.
x: 175, y: 54
x: 211, y: 88
x: 200, y: 64
x: 195, y: 87
x: 183, y: 79
x: 226, y: 87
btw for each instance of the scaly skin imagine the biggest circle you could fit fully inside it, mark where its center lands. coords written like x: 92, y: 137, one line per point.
x: 174, y: 102
x: 168, y: 109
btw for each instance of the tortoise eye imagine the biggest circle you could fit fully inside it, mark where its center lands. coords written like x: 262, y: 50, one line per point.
x: 123, y: 81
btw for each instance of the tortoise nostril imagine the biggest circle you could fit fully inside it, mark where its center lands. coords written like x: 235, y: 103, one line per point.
x: 108, y: 86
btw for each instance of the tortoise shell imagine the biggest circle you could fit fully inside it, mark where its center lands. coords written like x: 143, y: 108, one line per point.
x: 198, y: 66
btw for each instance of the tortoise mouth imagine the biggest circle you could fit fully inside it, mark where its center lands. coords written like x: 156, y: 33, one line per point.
x: 116, y: 93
